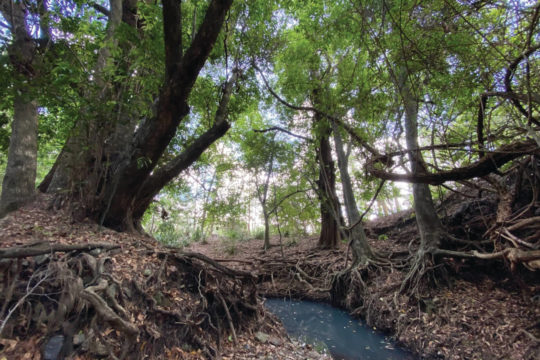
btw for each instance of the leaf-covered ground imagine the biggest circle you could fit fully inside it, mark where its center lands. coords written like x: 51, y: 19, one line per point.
x: 174, y: 299
x: 134, y: 299
x: 483, y: 313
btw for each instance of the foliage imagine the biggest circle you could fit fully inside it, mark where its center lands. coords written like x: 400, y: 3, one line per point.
x: 259, y: 234
x: 348, y: 51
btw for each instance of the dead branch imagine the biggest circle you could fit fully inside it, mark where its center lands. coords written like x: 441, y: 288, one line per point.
x: 532, y: 221
x: 229, y: 318
x: 228, y: 271
x: 511, y: 254
x: 29, y: 291
x: 41, y: 249
x: 514, y: 239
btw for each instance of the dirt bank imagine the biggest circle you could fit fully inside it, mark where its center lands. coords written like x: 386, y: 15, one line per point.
x: 481, y: 313
x: 75, y: 290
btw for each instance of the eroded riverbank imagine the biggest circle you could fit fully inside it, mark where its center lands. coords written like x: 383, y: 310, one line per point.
x: 475, y: 316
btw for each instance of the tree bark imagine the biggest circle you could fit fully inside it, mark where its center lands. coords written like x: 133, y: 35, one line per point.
x: 361, y: 250
x: 132, y: 173
x: 18, y: 186
x: 330, y: 209
x: 165, y: 174
x: 266, y: 231
x: 429, y: 225
x: 125, y: 165
x: 86, y: 134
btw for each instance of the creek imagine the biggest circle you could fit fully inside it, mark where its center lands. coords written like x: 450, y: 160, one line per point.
x: 325, y: 326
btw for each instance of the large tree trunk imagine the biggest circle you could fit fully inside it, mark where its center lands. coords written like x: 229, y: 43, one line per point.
x: 18, y: 186
x: 84, y: 147
x: 124, y: 189
x: 123, y: 206
x: 361, y: 250
x: 330, y: 209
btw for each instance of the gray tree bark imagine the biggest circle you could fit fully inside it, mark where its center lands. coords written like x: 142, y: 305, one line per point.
x: 361, y: 250
x: 18, y: 186
x: 429, y: 225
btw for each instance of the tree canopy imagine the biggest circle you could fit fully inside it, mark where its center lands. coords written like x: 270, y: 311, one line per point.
x: 132, y: 98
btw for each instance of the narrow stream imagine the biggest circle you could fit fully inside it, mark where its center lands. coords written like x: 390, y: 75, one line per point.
x: 346, y: 338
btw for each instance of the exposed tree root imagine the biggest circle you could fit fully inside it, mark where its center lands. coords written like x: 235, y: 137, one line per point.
x: 42, y: 248
x: 424, y: 271
x: 117, y: 316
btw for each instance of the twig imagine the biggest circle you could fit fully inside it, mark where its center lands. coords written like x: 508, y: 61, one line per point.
x: 229, y: 318
x: 29, y: 292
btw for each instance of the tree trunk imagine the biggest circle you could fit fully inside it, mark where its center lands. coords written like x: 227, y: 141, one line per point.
x: 127, y: 177
x: 129, y: 193
x: 361, y: 250
x: 429, y: 225
x: 70, y: 167
x: 330, y: 210
x: 266, y: 231
x: 18, y: 186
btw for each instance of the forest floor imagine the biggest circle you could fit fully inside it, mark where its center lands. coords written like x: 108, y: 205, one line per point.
x: 483, y: 312
x: 155, y: 297
x: 168, y: 303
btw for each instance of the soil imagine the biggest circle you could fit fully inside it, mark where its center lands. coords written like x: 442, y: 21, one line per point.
x: 185, y: 306
x: 172, y: 317
x: 484, y: 311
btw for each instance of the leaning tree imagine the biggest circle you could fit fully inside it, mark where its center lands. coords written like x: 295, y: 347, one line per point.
x: 118, y: 179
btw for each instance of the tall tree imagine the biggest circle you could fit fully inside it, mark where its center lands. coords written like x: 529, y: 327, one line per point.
x: 270, y: 160
x: 330, y: 234
x: 18, y: 186
x: 361, y: 250
x: 128, y: 178
x: 427, y: 220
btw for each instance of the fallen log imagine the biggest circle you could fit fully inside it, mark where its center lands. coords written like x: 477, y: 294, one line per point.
x: 47, y: 248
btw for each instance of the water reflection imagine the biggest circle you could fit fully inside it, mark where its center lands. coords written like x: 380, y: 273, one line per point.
x: 346, y: 338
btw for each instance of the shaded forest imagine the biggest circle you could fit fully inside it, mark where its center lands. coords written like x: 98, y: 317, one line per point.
x: 168, y: 165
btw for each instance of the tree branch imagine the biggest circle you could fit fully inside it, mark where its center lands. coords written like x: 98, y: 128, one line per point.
x: 172, y: 28
x: 341, y: 123
x: 285, y: 198
x: 482, y: 167
x: 46, y: 248
x: 277, y: 128
x: 191, y: 153
x: 510, y: 71
x: 197, y: 53
x: 99, y: 8
x: 155, y: 133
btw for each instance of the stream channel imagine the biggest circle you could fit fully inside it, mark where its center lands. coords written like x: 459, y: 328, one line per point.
x: 325, y: 326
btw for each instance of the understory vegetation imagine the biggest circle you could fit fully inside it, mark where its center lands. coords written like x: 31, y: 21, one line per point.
x: 167, y: 164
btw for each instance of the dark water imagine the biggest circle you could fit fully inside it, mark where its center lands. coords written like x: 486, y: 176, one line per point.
x: 346, y: 338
